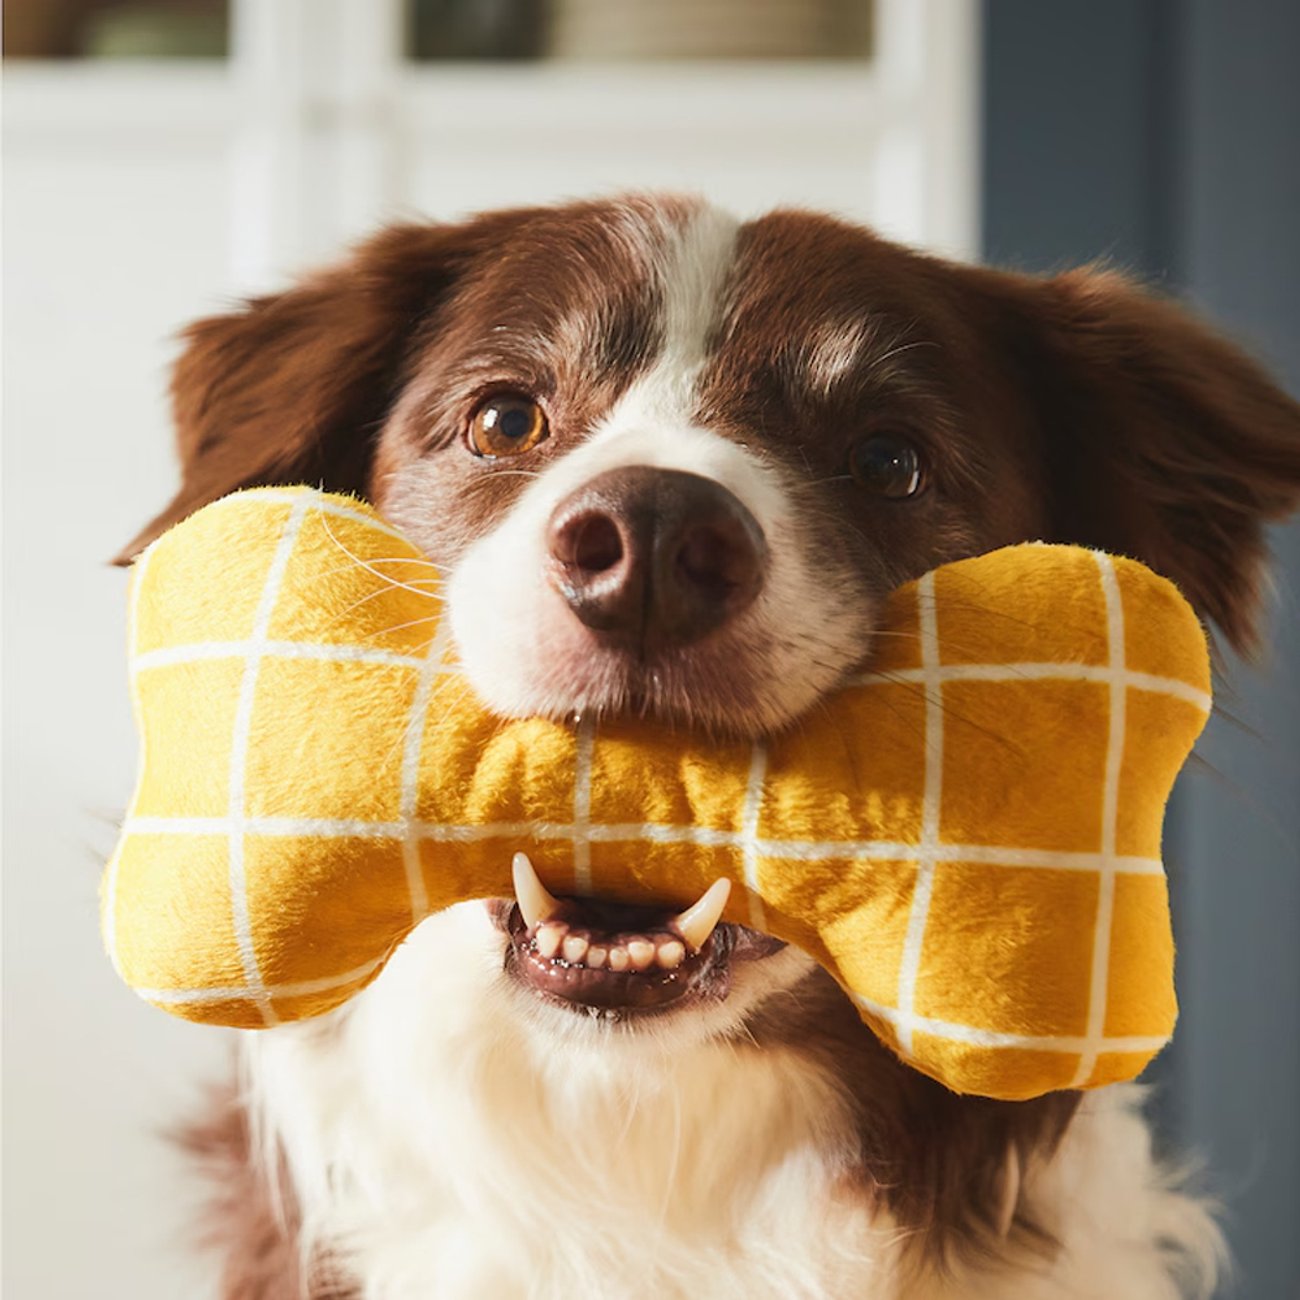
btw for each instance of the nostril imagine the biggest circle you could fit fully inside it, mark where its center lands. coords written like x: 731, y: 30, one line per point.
x: 711, y: 559
x: 702, y: 558
x: 590, y: 541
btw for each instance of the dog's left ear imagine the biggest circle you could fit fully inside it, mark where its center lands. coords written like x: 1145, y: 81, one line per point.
x: 292, y: 387
x: 1164, y: 441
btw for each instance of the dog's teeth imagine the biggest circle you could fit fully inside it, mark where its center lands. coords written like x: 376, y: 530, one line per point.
x: 671, y: 954
x: 641, y: 953
x: 1010, y: 1191
x: 549, y: 938
x: 574, y: 949
x: 699, y: 920
x: 618, y: 958
x: 596, y: 957
x: 535, y: 902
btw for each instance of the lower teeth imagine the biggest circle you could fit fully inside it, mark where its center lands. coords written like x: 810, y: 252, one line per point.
x: 555, y: 943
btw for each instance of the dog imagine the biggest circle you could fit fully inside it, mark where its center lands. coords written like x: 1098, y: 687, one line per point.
x: 673, y: 463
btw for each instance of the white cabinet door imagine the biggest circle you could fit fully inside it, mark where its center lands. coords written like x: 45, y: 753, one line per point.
x: 340, y: 131
x: 890, y: 141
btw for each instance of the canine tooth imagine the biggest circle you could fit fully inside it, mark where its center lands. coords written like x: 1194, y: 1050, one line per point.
x: 699, y: 920
x: 670, y: 954
x: 535, y: 902
x: 574, y: 948
x: 549, y: 938
x: 641, y: 952
x: 618, y: 958
x: 1010, y: 1192
x: 596, y: 957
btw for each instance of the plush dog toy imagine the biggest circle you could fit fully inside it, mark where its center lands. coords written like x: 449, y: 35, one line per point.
x: 967, y: 837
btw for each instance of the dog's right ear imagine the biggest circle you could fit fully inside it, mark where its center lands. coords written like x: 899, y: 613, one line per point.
x: 1162, y: 440
x: 294, y: 387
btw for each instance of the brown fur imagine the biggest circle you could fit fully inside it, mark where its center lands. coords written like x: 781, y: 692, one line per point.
x: 936, y: 1160
x: 1075, y: 408
x: 251, y: 1224
x: 1162, y: 440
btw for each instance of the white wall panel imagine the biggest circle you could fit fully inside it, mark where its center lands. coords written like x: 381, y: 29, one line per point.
x: 110, y: 245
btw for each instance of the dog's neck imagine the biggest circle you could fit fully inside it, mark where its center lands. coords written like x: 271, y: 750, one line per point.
x: 438, y: 1142
x: 494, y: 1154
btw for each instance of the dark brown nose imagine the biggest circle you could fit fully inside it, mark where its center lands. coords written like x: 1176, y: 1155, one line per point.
x: 654, y: 558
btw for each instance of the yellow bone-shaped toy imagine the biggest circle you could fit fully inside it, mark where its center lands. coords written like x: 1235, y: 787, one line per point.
x: 968, y: 838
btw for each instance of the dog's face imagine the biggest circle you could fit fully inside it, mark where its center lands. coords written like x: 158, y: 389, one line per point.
x: 672, y: 464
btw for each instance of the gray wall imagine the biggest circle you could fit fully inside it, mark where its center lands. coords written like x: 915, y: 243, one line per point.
x: 1165, y: 134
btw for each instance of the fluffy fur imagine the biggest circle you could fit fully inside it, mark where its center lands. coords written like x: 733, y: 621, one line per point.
x: 546, y: 1133
x: 495, y: 1146
x: 450, y: 1134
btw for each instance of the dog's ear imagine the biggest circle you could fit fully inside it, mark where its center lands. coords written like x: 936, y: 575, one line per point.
x: 294, y: 386
x: 1164, y: 441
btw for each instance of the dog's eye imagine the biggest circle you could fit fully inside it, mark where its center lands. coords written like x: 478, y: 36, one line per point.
x: 505, y: 425
x: 887, y: 465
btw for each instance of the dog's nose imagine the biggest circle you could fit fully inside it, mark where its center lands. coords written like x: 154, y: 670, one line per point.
x: 654, y: 558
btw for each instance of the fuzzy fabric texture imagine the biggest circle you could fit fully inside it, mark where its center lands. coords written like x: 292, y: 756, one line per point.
x: 967, y: 836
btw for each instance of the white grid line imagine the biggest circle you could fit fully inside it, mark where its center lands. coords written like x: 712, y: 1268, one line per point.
x: 204, y: 650
x: 653, y: 832
x: 928, y: 853
x: 1012, y: 673
x: 581, y: 831
x: 927, y: 850
x: 325, y: 828
x: 239, y: 992
x: 239, y: 752
x: 1034, y: 671
x: 749, y: 833
x: 416, y: 724
x: 974, y: 1036
x: 1100, y: 976
x: 953, y: 1031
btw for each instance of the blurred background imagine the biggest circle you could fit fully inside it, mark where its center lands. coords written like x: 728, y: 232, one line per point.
x: 165, y: 156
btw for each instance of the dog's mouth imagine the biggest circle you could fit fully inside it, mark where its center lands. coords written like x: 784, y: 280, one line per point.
x: 617, y: 959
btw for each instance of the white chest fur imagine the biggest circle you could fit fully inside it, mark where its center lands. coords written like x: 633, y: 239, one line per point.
x: 449, y: 1138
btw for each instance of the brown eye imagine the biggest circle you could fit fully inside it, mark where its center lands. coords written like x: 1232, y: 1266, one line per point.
x: 888, y: 466
x: 506, y: 425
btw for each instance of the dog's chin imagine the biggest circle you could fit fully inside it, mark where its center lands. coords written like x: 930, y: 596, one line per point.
x: 720, y: 690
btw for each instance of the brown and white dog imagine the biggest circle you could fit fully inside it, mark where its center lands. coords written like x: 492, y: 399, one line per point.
x: 671, y: 462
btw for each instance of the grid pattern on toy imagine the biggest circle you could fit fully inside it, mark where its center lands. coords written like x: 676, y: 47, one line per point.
x: 756, y: 846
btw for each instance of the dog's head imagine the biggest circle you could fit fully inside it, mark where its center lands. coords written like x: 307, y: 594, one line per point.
x: 672, y: 463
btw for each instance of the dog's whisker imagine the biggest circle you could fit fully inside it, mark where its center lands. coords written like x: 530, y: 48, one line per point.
x: 404, y: 560
x: 349, y: 610
x: 379, y: 633
x: 361, y: 563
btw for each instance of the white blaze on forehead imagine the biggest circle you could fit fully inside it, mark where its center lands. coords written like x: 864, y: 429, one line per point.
x: 697, y: 261
x: 693, y: 266
x: 653, y: 423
